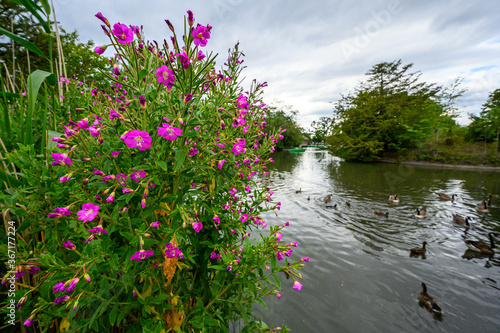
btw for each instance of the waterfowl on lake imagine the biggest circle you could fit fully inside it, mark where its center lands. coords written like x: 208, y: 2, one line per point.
x: 421, y: 213
x: 461, y: 221
x: 483, y: 207
x: 328, y: 198
x: 308, y: 198
x: 492, y: 196
x: 348, y: 204
x: 299, y: 191
x: 429, y: 302
x: 332, y: 206
x: 479, y: 246
x: 394, y: 198
x: 419, y: 250
x: 381, y: 213
x: 443, y: 196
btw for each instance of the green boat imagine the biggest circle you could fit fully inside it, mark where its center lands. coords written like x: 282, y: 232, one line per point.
x: 296, y: 150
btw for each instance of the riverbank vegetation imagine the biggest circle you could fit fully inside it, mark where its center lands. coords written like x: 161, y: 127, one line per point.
x: 393, y: 114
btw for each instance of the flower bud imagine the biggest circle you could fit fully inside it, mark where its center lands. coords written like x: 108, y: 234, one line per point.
x: 22, y: 301
x: 170, y: 26
x: 86, y: 276
x: 190, y: 18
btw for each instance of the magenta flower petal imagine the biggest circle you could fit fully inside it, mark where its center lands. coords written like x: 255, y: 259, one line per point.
x: 201, y: 35
x: 169, y: 132
x: 142, y: 254
x: 89, y: 212
x: 297, y: 285
x: 138, y: 139
x: 124, y: 34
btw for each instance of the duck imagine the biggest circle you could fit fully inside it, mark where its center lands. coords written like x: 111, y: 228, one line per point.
x: 394, y: 198
x: 309, y: 198
x: 328, y: 198
x: 492, y: 196
x: 479, y: 246
x: 348, y: 204
x: 332, y: 206
x: 299, y: 191
x: 461, y: 221
x: 429, y: 302
x: 419, y: 250
x: 443, y: 196
x: 421, y: 213
x: 381, y: 213
x: 483, y: 207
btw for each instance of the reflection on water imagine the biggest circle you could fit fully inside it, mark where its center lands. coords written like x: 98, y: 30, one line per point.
x: 361, y: 276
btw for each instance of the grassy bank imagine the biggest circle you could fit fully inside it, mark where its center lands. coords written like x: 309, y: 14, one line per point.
x: 457, y: 151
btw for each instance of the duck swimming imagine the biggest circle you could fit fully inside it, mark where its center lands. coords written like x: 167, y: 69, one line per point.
x: 461, y: 221
x: 421, y: 213
x: 483, y: 206
x: 419, y: 250
x: 429, y: 302
x: 443, y: 196
x: 479, y: 246
x: 381, y: 213
x: 328, y: 198
x: 394, y: 198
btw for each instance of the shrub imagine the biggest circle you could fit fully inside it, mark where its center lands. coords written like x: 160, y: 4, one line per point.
x: 142, y: 220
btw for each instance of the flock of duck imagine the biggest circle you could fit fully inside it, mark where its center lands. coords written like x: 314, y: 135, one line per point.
x: 428, y: 301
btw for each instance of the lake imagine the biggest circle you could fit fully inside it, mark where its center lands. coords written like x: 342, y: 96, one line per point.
x: 361, y: 276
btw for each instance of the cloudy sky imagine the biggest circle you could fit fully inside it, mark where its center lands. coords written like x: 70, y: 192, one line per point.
x: 311, y: 52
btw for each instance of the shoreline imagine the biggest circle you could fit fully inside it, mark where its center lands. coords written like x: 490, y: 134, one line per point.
x: 441, y: 165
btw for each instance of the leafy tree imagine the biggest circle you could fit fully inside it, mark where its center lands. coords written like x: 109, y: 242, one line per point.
x: 82, y: 63
x: 390, y: 111
x: 486, y: 126
x: 321, y: 129
x: 284, y: 116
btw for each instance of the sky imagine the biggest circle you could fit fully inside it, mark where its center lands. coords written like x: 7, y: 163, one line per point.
x: 312, y: 52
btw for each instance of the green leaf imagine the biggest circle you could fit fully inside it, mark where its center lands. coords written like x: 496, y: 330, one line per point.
x: 46, y: 7
x: 112, y: 315
x: 52, y: 134
x: 142, y: 74
x: 34, y: 82
x: 180, y: 156
x: 8, y: 94
x: 26, y: 43
x: 34, y: 8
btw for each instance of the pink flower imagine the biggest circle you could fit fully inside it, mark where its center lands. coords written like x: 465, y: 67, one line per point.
x: 169, y: 132
x: 184, y: 59
x: 138, y: 174
x: 127, y: 190
x: 156, y: 224
x: 217, y: 219
x: 115, y: 153
x: 33, y: 270
x: 59, y: 287
x: 123, y: 33
x: 98, y: 230
x: 171, y: 251
x: 197, y: 226
x: 141, y: 255
x: 102, y: 18
x: 89, y: 212
x: 193, y: 151
x: 239, y: 147
x: 297, y: 285
x: 72, y: 285
x: 201, y: 56
x: 29, y: 321
x: 113, y: 114
x: 110, y: 198
x: 138, y: 139
x: 278, y: 236
x: 201, y: 35
x: 61, y: 159
x: 221, y: 163
x: 242, y: 102
x: 100, y: 49
x: 165, y: 76
x: 61, y: 299
x: 59, y: 212
x: 70, y: 246
x: 306, y: 259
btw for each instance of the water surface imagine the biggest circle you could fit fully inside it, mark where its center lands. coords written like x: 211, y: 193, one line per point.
x: 361, y: 276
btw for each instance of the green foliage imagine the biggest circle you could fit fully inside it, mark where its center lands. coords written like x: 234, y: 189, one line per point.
x: 322, y: 128
x: 388, y: 112
x: 177, y: 170
x: 284, y: 117
x: 486, y: 126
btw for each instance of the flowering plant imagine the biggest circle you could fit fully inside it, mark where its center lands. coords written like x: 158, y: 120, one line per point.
x: 150, y: 198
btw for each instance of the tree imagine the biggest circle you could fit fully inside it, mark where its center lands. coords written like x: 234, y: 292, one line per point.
x: 82, y: 63
x: 486, y: 126
x: 285, y: 116
x: 321, y: 128
x: 390, y: 111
